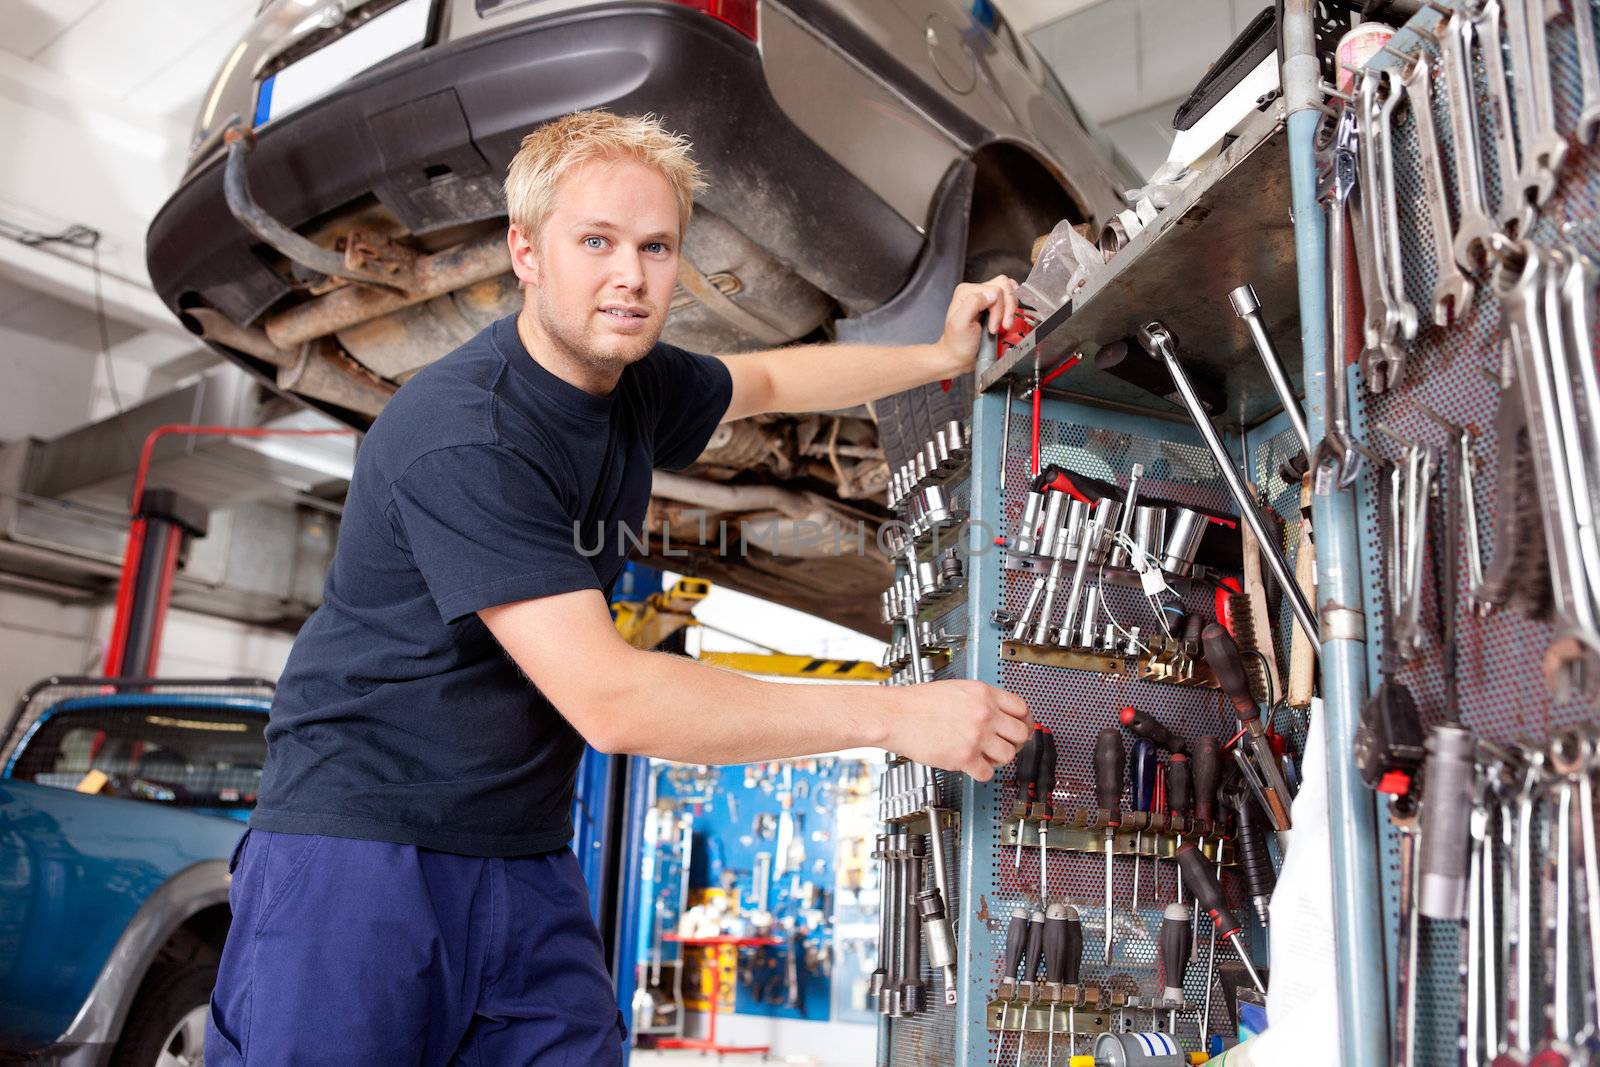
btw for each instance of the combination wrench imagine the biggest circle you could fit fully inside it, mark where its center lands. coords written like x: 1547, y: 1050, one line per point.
x: 1516, y: 212
x: 1475, y: 225
x: 1541, y: 148
x: 1381, y: 354
x: 1452, y: 295
x: 1336, y: 453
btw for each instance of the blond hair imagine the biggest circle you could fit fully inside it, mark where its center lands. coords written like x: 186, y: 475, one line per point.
x: 552, y: 150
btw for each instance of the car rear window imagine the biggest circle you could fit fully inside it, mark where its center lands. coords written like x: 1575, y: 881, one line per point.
x: 180, y: 755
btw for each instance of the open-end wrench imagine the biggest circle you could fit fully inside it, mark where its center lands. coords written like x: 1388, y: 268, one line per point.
x: 1575, y: 312
x: 1380, y: 352
x: 1576, y: 409
x: 1541, y: 147
x: 1391, y: 92
x: 1566, y: 758
x: 1516, y: 212
x: 1521, y: 1035
x: 1335, y: 453
x: 1452, y: 295
x: 1589, y: 66
x: 1474, y: 226
x: 1572, y: 662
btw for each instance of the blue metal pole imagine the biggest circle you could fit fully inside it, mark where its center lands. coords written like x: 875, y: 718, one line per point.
x: 1357, y: 888
x: 628, y: 916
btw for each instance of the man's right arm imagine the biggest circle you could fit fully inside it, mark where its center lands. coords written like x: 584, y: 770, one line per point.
x: 622, y: 699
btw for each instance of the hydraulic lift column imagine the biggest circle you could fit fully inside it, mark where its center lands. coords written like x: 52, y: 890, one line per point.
x: 162, y: 525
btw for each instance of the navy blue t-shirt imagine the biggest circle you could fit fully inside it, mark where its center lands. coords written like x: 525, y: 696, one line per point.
x: 399, y: 717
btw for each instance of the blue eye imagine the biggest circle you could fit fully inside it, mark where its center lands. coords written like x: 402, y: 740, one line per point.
x: 595, y: 243
x: 656, y: 248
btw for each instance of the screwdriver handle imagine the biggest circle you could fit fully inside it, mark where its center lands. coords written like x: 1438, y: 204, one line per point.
x: 1073, y: 967
x: 1034, y: 951
x: 1203, y: 884
x: 1206, y: 767
x: 1222, y: 655
x: 1143, y: 774
x: 1016, y: 938
x: 1026, y: 766
x: 1145, y: 725
x: 1174, y: 946
x: 1254, y: 859
x: 1047, y: 765
x: 1055, y: 943
x: 1193, y: 628
x: 1178, y: 785
x: 1110, y: 764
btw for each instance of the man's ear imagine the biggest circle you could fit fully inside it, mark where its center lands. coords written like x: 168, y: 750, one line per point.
x: 524, y: 256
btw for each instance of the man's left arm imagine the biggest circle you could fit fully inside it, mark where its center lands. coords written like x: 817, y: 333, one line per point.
x: 829, y: 377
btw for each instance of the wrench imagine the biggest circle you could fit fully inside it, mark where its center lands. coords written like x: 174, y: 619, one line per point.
x: 1335, y: 453
x: 1589, y: 1036
x: 1403, y: 816
x: 1475, y: 225
x: 1383, y: 317
x: 1575, y: 313
x: 1389, y: 99
x: 1542, y: 147
x: 1516, y: 213
x: 1471, y: 1032
x: 1576, y: 412
x: 1566, y: 758
x: 1589, y: 65
x: 1453, y: 293
x: 1572, y: 662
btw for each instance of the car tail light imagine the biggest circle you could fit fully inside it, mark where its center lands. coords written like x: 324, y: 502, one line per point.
x: 740, y: 14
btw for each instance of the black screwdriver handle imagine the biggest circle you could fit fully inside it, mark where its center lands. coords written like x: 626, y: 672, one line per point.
x: 1203, y: 884
x: 1193, y: 627
x: 1110, y: 764
x: 1074, y: 965
x: 1206, y: 766
x: 1178, y: 785
x: 1145, y: 725
x: 1047, y: 764
x: 1222, y: 655
x: 1026, y: 765
x: 1142, y: 772
x: 1254, y: 859
x: 1055, y: 943
x: 1034, y: 951
x: 1016, y: 939
x: 1175, y: 943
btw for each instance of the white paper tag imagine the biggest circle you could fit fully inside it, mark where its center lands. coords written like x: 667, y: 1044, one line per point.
x: 1152, y: 581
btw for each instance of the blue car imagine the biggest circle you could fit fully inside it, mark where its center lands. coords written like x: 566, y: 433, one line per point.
x: 120, y: 806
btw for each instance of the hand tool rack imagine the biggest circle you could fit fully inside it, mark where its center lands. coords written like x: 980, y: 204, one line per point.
x: 1255, y: 217
x: 1230, y: 227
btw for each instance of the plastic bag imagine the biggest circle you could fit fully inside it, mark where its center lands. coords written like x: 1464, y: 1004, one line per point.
x: 1065, y: 264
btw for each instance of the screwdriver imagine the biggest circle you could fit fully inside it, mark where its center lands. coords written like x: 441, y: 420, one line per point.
x: 1143, y: 773
x: 1178, y: 799
x: 1016, y: 940
x: 1032, y: 957
x: 1203, y: 884
x: 1145, y: 725
x: 1046, y: 787
x: 1063, y: 960
x: 1174, y: 947
x: 1253, y: 856
x: 1223, y: 657
x: 1109, y: 767
x: 1026, y: 767
x: 1204, y: 767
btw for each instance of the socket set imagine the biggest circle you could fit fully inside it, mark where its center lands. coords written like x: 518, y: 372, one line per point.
x: 919, y: 492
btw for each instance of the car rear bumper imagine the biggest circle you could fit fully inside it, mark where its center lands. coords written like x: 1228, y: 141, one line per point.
x: 430, y: 135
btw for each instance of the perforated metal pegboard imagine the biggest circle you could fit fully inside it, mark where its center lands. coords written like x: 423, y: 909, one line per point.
x: 1502, y: 692
x: 1075, y: 705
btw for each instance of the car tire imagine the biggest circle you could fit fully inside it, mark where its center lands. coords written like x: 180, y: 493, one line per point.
x: 906, y: 421
x: 160, y: 1026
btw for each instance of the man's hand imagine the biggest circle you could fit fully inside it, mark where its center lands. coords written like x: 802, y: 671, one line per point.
x: 974, y: 307
x: 960, y: 726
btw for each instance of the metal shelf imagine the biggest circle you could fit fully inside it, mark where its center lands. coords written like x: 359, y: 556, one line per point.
x: 1232, y: 225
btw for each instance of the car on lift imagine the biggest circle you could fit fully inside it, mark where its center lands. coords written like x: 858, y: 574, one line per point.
x: 120, y: 809
x: 340, y: 223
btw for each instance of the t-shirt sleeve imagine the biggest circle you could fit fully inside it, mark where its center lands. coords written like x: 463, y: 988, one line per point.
x: 486, y: 526
x: 691, y: 394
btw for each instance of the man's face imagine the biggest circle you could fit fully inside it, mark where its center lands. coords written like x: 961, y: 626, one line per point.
x: 599, y: 276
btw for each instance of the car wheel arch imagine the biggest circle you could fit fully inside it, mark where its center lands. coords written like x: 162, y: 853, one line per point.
x: 1017, y: 196
x: 186, y: 905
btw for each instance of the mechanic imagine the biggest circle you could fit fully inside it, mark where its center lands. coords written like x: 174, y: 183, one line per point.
x: 406, y: 893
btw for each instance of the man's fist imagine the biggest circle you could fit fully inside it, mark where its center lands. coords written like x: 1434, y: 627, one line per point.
x: 960, y: 726
x: 975, y: 307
